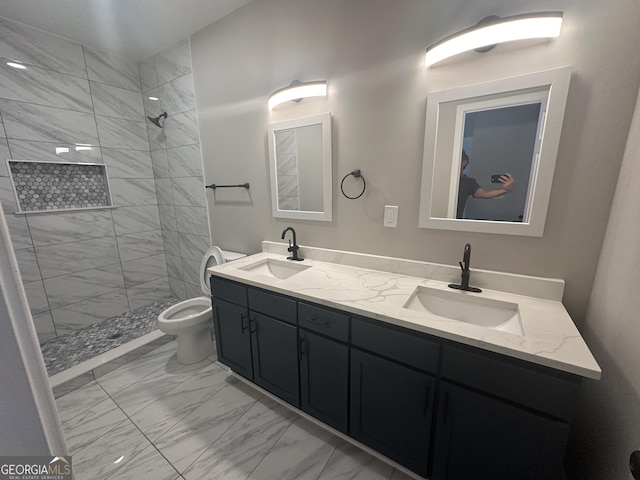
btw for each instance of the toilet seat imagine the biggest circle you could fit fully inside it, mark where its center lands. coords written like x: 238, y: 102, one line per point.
x: 193, y: 309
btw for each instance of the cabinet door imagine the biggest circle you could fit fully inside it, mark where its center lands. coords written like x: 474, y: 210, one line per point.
x: 391, y: 409
x: 275, y: 357
x: 324, y: 377
x: 233, y: 340
x: 483, y: 438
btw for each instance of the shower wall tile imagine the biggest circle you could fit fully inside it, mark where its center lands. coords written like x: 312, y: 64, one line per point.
x: 188, y: 191
x: 83, y: 285
x: 168, y: 218
x: 87, y: 312
x: 112, y: 70
x: 192, y: 220
x: 148, y: 76
x: 177, y: 288
x: 28, y: 265
x: 152, y: 108
x: 178, y: 95
x: 149, y: 292
x: 173, y: 62
x: 191, y: 271
x: 140, y: 245
x: 182, y: 129
x: 133, y: 191
x: 46, y: 151
x: 192, y: 290
x: 144, y: 270
x: 44, y: 87
x: 171, y: 243
x: 117, y: 102
x: 19, y: 231
x: 44, y: 326
x: 119, y: 133
x: 7, y: 197
x: 48, y: 229
x: 127, y: 163
x: 185, y: 161
x: 164, y: 191
x: 160, y: 164
x: 34, y: 47
x: 37, y: 297
x: 174, y: 267
x: 193, y: 246
x: 136, y: 219
x: 26, y: 121
x: 72, y: 257
x: 4, y: 155
x: 157, y: 137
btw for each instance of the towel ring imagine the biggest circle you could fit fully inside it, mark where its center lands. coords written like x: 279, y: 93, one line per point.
x: 356, y: 174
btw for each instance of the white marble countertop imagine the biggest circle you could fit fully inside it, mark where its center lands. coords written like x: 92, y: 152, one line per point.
x: 550, y: 336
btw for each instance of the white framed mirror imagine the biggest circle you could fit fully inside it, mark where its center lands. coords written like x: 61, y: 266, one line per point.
x: 490, y: 152
x: 300, y: 166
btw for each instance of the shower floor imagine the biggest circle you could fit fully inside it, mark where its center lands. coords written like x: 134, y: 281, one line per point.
x: 81, y: 345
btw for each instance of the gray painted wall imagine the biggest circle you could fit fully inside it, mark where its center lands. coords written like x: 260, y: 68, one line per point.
x: 371, y: 54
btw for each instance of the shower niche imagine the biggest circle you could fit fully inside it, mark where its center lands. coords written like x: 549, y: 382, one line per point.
x: 55, y: 186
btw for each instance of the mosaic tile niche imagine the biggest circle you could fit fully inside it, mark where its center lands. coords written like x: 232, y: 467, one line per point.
x: 43, y: 186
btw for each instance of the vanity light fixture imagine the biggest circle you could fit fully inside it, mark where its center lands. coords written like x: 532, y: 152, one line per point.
x: 296, y: 91
x: 493, y: 30
x: 19, y: 66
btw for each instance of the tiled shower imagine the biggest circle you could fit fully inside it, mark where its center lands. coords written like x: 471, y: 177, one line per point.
x: 73, y: 104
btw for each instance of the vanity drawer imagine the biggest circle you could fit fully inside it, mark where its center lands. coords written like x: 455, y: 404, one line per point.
x: 396, y: 343
x: 227, y: 290
x: 272, y: 304
x: 324, y: 321
x: 530, y: 385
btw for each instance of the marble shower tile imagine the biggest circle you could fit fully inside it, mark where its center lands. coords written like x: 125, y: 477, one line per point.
x: 193, y: 247
x: 136, y: 219
x: 187, y: 440
x: 152, y: 108
x: 171, y: 243
x: 127, y: 163
x: 239, y: 450
x: 49, y: 229
x: 37, y: 297
x: 72, y: 257
x: 348, y: 462
x: 178, y: 95
x: 174, y: 268
x: 287, y: 165
x: 28, y: 265
x: 133, y: 191
x: 19, y: 231
x: 160, y: 164
x: 177, y: 288
x: 5, y: 154
x: 188, y: 191
x: 147, y: 464
x: 148, y: 76
x: 7, y: 197
x: 46, y: 151
x: 112, y: 70
x: 146, y: 293
x: 157, y: 137
x: 191, y: 290
x: 192, y: 220
x: 26, y: 121
x: 173, y: 62
x: 182, y: 129
x: 117, y: 102
x: 286, y: 141
x: 185, y: 161
x: 168, y: 217
x: 87, y: 312
x: 44, y: 326
x: 191, y: 271
x: 164, y: 191
x: 308, y: 443
x: 119, y: 133
x: 45, y: 87
x: 140, y: 245
x: 84, y: 285
x: 35, y: 47
x: 144, y: 270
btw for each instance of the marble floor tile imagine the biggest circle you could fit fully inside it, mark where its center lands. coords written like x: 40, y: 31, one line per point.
x: 73, y: 384
x: 308, y: 443
x: 44, y: 327
x: 116, y: 102
x: 237, y: 453
x: 112, y: 70
x: 348, y: 462
x: 186, y: 441
x: 79, y: 401
x: 148, y: 464
x: 37, y: 297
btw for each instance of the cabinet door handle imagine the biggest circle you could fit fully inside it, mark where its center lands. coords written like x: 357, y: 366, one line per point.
x: 322, y: 323
x: 243, y: 317
x: 253, y: 325
x: 427, y: 402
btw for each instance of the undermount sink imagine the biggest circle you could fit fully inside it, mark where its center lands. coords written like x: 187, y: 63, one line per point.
x: 463, y: 307
x: 270, y: 267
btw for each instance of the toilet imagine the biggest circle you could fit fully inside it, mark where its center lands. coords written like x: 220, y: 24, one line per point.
x: 190, y: 320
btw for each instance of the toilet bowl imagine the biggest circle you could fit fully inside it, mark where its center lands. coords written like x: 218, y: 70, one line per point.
x: 191, y: 320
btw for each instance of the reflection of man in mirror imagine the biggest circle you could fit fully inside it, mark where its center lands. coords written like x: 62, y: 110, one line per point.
x: 468, y: 186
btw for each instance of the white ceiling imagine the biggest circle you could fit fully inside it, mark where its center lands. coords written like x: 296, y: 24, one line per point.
x: 130, y: 28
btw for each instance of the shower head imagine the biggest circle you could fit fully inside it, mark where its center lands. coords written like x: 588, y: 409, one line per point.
x: 156, y: 120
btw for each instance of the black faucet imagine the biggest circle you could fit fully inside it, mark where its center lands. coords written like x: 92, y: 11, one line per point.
x: 292, y: 248
x: 466, y: 272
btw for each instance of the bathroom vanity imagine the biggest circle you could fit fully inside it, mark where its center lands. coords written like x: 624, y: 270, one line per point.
x: 361, y: 350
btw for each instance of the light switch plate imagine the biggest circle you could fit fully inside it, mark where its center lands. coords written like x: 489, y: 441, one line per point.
x: 390, y: 216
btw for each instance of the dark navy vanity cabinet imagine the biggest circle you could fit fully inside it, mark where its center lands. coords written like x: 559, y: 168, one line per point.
x: 442, y: 409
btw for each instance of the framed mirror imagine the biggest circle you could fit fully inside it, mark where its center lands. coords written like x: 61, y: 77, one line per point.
x: 300, y: 166
x: 490, y: 152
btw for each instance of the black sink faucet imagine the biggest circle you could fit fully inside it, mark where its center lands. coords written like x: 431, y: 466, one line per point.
x: 466, y: 272
x: 292, y: 248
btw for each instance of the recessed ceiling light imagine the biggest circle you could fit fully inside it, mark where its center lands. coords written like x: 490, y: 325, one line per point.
x: 16, y: 65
